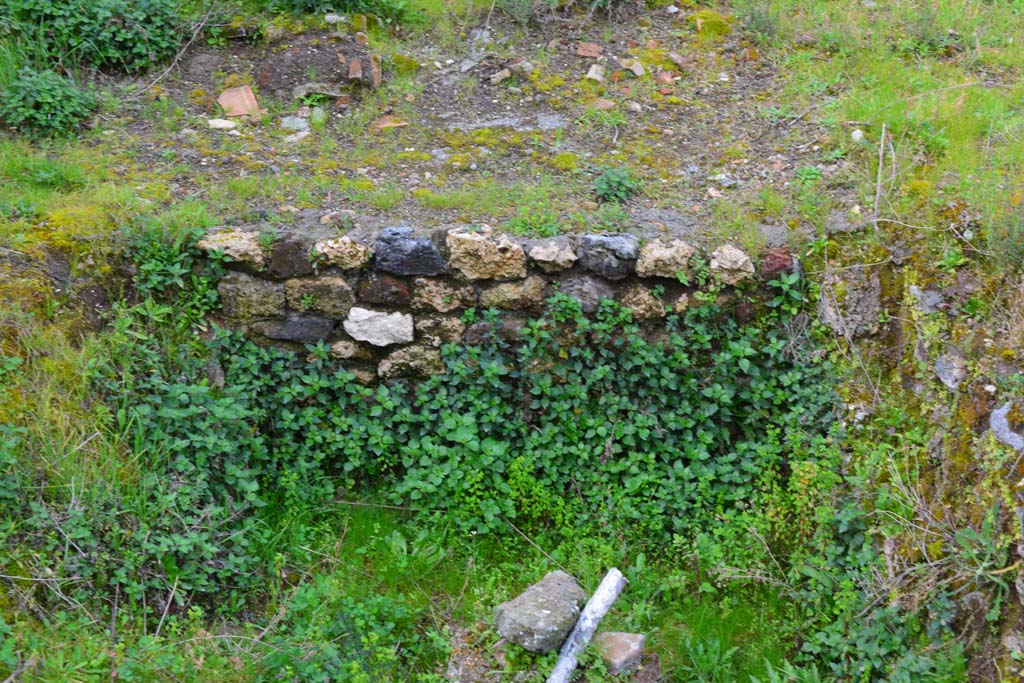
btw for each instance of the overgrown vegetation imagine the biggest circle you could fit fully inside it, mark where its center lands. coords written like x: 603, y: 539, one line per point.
x: 129, y: 36
x: 172, y: 501
x: 44, y: 103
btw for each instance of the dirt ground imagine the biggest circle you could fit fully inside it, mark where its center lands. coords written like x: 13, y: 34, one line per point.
x: 696, y: 127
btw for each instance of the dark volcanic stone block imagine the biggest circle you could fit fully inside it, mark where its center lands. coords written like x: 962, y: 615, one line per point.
x: 588, y: 290
x: 382, y: 289
x: 302, y: 329
x: 611, y: 256
x: 289, y: 258
x: 402, y: 252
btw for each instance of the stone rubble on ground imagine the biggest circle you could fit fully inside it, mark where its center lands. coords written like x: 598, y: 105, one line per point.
x: 539, y: 618
x: 620, y: 651
x: 239, y: 101
x: 221, y: 124
x: 294, y: 123
x: 951, y: 369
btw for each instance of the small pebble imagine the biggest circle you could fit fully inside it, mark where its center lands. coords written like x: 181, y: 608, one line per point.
x: 294, y: 123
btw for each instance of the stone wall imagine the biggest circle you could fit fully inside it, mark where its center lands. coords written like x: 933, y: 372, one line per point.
x: 387, y: 301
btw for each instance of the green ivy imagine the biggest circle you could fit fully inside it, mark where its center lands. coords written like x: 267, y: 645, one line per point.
x: 128, y: 35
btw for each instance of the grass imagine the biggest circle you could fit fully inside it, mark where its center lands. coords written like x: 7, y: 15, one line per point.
x: 490, y: 198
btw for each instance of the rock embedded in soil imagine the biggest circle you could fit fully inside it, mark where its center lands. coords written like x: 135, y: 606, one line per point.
x: 620, y: 651
x: 776, y: 261
x: 951, y: 369
x: 401, y: 252
x: 587, y: 290
x: 294, y: 123
x: 244, y: 297
x: 479, y: 255
x: 379, y: 328
x: 650, y: 670
x: 221, y: 124
x: 438, y: 330
x: 328, y: 295
x: 539, y: 618
x: 634, y: 66
x: 384, y: 289
x: 239, y: 101
x: 731, y: 265
x: 241, y: 247
x: 851, y: 301
x: 314, y: 88
x: 522, y: 69
x: 342, y: 252
x: 553, y: 255
x: 300, y: 329
x: 440, y: 296
x: 999, y: 422
x: 289, y: 258
x: 928, y: 300
x: 412, y: 361
x: 642, y: 302
x: 610, y: 256
x: 665, y: 258
x: 525, y: 294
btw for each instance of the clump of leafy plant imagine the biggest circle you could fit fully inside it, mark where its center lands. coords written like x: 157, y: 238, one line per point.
x: 536, y: 220
x: 325, y: 637
x: 45, y: 103
x: 616, y: 184
x: 127, y: 35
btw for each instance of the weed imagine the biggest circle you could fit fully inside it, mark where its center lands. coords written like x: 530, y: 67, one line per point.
x: 616, y: 184
x: 537, y: 220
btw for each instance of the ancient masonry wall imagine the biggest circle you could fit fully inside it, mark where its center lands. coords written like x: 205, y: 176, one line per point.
x: 386, y: 302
